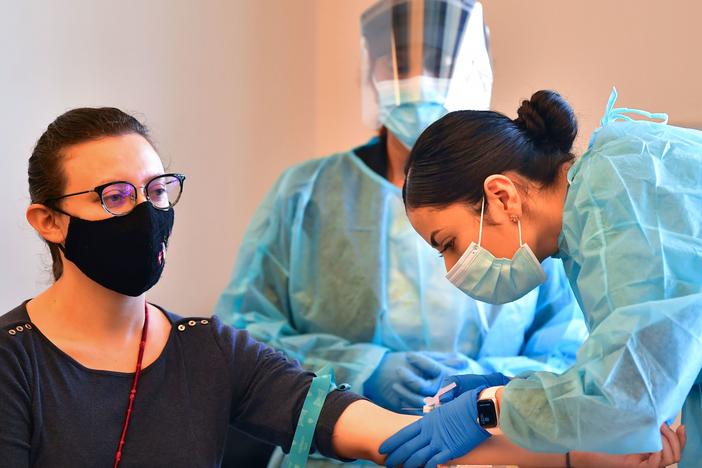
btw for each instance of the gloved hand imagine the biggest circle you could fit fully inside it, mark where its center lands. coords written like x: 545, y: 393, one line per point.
x: 404, y: 379
x: 434, y: 368
x: 467, y: 382
x: 449, y: 431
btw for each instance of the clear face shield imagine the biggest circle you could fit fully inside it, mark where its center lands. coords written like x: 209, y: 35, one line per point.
x: 421, y: 59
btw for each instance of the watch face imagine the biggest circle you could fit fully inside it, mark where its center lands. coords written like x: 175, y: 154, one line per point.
x: 487, y: 414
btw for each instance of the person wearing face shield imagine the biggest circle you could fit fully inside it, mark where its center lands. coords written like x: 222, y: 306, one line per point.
x: 330, y: 270
x: 499, y: 196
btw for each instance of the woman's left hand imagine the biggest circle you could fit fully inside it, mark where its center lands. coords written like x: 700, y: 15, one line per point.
x: 673, y: 445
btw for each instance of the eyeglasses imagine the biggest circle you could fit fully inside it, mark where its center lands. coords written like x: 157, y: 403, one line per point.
x: 119, y: 198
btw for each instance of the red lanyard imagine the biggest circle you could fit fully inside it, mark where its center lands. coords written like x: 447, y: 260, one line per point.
x: 132, y: 393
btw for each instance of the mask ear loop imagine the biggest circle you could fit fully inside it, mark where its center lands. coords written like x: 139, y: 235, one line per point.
x: 480, y: 233
x: 519, y: 226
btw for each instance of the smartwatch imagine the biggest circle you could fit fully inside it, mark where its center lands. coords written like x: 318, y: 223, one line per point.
x: 488, y: 409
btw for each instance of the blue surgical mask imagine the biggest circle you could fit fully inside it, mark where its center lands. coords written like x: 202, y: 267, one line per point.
x: 407, y: 107
x: 496, y: 280
x: 408, y: 121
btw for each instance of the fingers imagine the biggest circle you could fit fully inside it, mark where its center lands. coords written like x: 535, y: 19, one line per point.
x: 438, y: 459
x: 454, y: 392
x: 653, y: 460
x: 457, y: 365
x: 408, y: 399
x: 402, y: 436
x: 416, y: 384
x: 496, y: 379
x: 428, y: 367
x: 682, y: 436
x: 420, y: 458
x: 400, y: 455
x: 439, y: 356
x: 467, y: 382
x: 456, y: 361
x: 671, y: 446
x: 668, y: 452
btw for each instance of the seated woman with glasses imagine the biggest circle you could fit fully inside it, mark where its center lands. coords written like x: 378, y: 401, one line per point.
x: 93, y: 375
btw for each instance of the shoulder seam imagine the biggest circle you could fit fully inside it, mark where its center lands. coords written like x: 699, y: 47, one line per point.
x: 191, y: 322
x: 16, y: 327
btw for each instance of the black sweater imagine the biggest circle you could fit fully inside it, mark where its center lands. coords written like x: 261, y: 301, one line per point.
x: 56, y: 412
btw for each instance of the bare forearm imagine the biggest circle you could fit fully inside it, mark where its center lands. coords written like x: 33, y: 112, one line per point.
x: 498, y: 450
x: 364, y: 426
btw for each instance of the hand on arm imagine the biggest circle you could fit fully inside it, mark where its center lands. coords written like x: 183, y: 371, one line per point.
x: 363, y: 427
x: 447, y: 432
x: 404, y: 379
x: 673, y: 445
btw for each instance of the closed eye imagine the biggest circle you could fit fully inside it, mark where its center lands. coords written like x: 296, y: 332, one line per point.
x: 446, y: 246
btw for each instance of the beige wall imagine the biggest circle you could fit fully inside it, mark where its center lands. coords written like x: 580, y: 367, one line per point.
x: 227, y: 87
x: 337, y: 94
x: 236, y: 91
x: 648, y: 49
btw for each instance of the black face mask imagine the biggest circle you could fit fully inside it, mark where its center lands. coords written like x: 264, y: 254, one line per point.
x: 124, y: 253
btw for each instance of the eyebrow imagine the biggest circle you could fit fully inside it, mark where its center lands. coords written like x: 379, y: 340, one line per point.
x: 432, y: 238
x: 125, y: 179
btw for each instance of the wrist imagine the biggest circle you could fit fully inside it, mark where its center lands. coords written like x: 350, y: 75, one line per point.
x: 576, y: 460
x: 496, y: 379
x: 587, y: 460
x: 495, y: 393
x: 488, y: 408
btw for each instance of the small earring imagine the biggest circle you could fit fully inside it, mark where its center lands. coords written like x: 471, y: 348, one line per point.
x: 514, y: 218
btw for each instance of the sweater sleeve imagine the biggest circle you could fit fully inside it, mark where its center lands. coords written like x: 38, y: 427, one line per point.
x: 15, y: 406
x: 269, y: 391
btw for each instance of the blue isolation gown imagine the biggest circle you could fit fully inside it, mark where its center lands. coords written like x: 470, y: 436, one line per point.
x: 331, y: 272
x: 632, y: 249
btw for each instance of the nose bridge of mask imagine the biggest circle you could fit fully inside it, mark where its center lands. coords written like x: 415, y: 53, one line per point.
x: 474, y: 251
x: 457, y: 273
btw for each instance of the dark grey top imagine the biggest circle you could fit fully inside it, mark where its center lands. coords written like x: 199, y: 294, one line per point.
x: 56, y: 412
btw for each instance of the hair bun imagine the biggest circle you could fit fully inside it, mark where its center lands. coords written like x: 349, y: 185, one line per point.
x: 548, y: 120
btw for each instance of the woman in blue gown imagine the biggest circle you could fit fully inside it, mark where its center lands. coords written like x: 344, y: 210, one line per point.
x: 496, y: 196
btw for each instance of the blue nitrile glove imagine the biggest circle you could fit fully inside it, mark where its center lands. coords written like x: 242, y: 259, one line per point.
x: 467, y: 382
x: 404, y: 379
x: 386, y: 386
x: 449, y: 431
x: 434, y: 368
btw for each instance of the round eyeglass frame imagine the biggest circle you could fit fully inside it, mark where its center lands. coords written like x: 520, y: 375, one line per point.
x: 100, y: 188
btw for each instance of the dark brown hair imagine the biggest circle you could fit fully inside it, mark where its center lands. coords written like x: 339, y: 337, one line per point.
x: 453, y: 157
x: 45, y: 172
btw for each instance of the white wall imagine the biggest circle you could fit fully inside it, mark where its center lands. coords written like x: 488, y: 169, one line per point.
x: 235, y: 91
